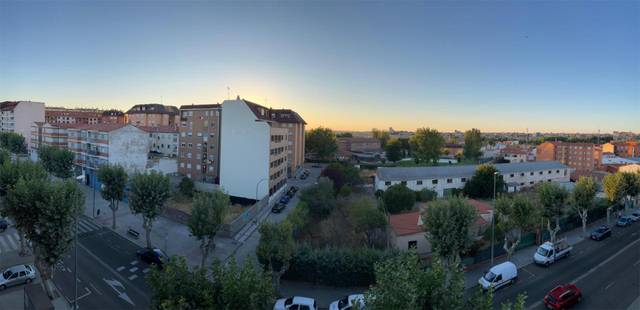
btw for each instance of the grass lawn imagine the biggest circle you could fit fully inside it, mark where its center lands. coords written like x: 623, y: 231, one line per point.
x: 185, y: 204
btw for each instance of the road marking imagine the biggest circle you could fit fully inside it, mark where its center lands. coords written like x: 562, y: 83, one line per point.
x: 592, y: 270
x: 135, y: 262
x: 133, y: 277
x: 529, y: 272
x: 636, y: 263
x: 146, y: 270
x: 114, y: 285
x: 120, y: 268
x: 608, y: 286
x: 133, y: 269
x: 95, y: 289
x: 83, y: 228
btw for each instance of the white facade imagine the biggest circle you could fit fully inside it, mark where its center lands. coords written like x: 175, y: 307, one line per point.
x: 165, y: 143
x: 403, y: 243
x: 129, y: 147
x: 244, y: 152
x: 441, y: 179
x: 515, y: 158
x: 20, y: 117
x: 611, y: 159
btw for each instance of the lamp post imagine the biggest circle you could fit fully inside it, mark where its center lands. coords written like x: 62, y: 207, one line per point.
x: 75, y: 254
x: 258, y: 184
x: 493, y: 215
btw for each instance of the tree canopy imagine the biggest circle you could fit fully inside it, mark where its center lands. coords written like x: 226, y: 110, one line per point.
x: 582, y: 197
x: 552, y: 199
x: 321, y: 142
x: 382, y: 135
x: 367, y: 219
x: 481, y: 183
x: 175, y: 287
x: 320, y: 199
x: 114, y: 180
x: 448, y: 224
x: 275, y: 248
x: 13, y: 142
x: 148, y: 195
x: 393, y: 150
x: 514, y: 216
x: 58, y: 162
x: 342, y: 174
x: 426, y: 145
x: 207, y: 217
x: 398, y: 198
x: 472, y: 144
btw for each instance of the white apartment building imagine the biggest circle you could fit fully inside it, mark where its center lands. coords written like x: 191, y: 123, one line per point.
x: 18, y: 116
x: 163, y: 140
x: 445, y: 178
x: 253, y: 151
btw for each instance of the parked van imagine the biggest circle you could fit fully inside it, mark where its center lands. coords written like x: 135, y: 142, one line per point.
x: 548, y: 252
x: 499, y: 276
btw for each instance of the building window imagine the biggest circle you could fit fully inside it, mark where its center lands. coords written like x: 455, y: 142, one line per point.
x: 549, y: 172
x: 434, y: 181
x: 531, y: 182
x: 198, y: 167
x: 531, y: 173
x: 188, y: 166
x: 449, y: 180
x: 413, y: 244
x: 387, y: 183
x: 403, y: 182
x: 419, y: 182
x: 463, y: 180
x: 522, y: 174
x: 511, y: 175
x: 181, y: 165
x: 541, y: 172
x: 557, y: 171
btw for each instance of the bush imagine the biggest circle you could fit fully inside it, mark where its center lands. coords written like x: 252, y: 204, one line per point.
x: 342, y: 175
x: 299, y: 217
x: 345, y: 191
x: 398, y: 198
x: 319, y: 198
x: 186, y: 187
x: 426, y: 195
x: 334, y: 266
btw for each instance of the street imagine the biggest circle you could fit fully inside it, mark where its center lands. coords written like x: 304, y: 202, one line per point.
x: 607, y: 272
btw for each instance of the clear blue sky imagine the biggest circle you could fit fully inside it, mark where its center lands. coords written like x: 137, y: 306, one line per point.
x: 546, y: 66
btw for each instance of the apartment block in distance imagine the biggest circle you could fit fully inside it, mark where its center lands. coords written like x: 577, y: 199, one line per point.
x: 623, y: 148
x: 18, y: 116
x: 153, y: 115
x: 199, y: 148
x: 95, y: 145
x: 113, y: 117
x: 43, y: 133
x: 163, y: 140
x: 54, y: 115
x: 583, y: 157
x: 294, y: 123
x: 253, y: 151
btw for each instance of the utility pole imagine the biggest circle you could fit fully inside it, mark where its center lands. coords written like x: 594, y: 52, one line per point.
x: 493, y: 215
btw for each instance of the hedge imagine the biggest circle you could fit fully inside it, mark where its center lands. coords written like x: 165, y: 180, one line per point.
x: 335, y: 266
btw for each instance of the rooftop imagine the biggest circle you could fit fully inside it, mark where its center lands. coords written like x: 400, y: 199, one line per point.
x: 163, y: 129
x: 100, y: 127
x: 439, y: 172
x: 199, y: 106
x: 406, y: 223
x: 153, y: 108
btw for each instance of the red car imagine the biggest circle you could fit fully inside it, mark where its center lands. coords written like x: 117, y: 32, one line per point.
x: 563, y: 297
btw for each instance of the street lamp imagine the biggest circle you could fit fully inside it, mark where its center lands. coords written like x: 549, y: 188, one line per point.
x: 493, y: 215
x: 258, y: 184
x: 75, y: 254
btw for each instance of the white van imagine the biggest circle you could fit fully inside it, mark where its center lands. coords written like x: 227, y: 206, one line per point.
x: 499, y: 276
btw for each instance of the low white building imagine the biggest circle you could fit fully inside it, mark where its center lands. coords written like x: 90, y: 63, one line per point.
x: 612, y: 159
x: 446, y: 178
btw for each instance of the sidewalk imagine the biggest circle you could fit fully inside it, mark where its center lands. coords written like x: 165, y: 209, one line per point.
x: 524, y: 257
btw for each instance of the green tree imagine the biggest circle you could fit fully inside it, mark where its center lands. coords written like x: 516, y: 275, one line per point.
x: 445, y: 286
x: 405, y: 147
x: 241, y: 287
x: 630, y: 183
x: 149, y: 193
x: 320, y: 198
x: 398, y: 198
x: 472, y: 144
x: 13, y: 142
x: 344, y: 135
x: 552, y: 199
x: 582, y: 197
x: 207, y: 217
x: 175, y: 287
x: 426, y: 145
x: 342, y: 174
x: 56, y: 161
x: 114, y: 180
x: 5, y: 156
x: 382, y: 135
x: 186, y: 187
x: 321, y: 142
x: 448, y: 224
x: 393, y: 150
x: 481, y: 184
x: 400, y: 284
x: 481, y: 300
x: 367, y: 219
x: 275, y: 249
x: 518, y: 305
x: 426, y: 195
x: 613, y: 188
x: 515, y: 216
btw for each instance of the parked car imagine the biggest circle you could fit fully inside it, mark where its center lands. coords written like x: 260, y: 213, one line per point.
x: 3, y: 225
x: 295, y: 303
x: 548, y: 252
x: 303, y: 176
x: 601, y: 232
x: 293, y: 189
x: 624, y: 221
x: 635, y: 216
x: 17, y: 275
x: 499, y: 276
x: 347, y: 302
x: 316, y: 166
x: 278, y: 207
x: 284, y: 199
x: 152, y: 256
x: 563, y: 297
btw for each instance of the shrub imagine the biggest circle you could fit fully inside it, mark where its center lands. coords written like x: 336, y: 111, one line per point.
x: 319, y: 198
x: 426, y: 195
x: 334, y: 266
x: 186, y: 187
x: 345, y: 191
x: 398, y: 198
x: 299, y: 217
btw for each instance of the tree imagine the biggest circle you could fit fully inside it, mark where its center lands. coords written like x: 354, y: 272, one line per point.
x: 426, y: 145
x: 426, y: 195
x: 342, y: 174
x: 472, y: 144
x: 481, y: 184
x: 4, y: 156
x: 114, y: 180
x: 514, y: 216
x: 583, y: 194
x: 393, y: 150
x: 613, y: 188
x: 519, y: 304
x: 344, y: 135
x: 448, y: 224
x: 398, y: 198
x: 320, y: 198
x: 53, y: 206
x: 241, y: 287
x: 382, y: 135
x: 13, y: 142
x: 552, y: 200
x: 275, y: 249
x: 186, y: 187
x: 405, y: 146
x: 630, y: 183
x: 321, y: 142
x: 207, y: 217
x: 445, y: 286
x: 56, y: 161
x: 175, y: 287
x: 149, y: 193
x: 367, y: 219
x: 400, y: 284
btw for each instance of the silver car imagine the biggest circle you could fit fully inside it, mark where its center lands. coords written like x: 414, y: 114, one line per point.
x: 17, y: 275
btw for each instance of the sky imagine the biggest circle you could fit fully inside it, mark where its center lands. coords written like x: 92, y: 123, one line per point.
x: 571, y: 66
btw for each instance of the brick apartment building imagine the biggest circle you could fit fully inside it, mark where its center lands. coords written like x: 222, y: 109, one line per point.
x: 623, y: 148
x: 54, y: 115
x: 514, y: 154
x: 294, y: 124
x: 199, y: 149
x: 48, y: 134
x: 583, y: 157
x: 153, y: 115
x: 359, y: 148
x: 113, y: 117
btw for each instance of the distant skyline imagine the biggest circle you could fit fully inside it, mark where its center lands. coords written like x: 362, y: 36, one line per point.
x: 500, y: 67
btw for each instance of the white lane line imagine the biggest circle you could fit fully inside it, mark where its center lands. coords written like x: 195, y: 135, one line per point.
x: 83, y: 227
x: 133, y: 277
x: 135, y: 262
x: 529, y: 272
x: 120, y: 268
x: 146, y: 270
x: 14, y: 244
x: 608, y: 286
x: 95, y: 289
x: 592, y: 270
x: 133, y: 269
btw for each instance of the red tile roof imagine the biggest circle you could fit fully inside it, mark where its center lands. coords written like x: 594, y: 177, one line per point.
x: 8, y: 105
x: 481, y: 207
x: 405, y: 223
x: 513, y: 150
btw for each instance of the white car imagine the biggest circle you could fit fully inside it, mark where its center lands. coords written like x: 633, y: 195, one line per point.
x: 295, y: 303
x: 635, y: 216
x: 17, y: 275
x: 499, y: 276
x: 347, y: 302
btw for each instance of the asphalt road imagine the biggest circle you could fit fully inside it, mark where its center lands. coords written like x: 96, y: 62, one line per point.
x: 607, y: 272
x: 109, y: 275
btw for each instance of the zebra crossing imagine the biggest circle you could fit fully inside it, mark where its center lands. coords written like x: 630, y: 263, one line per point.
x: 86, y: 225
x: 9, y: 241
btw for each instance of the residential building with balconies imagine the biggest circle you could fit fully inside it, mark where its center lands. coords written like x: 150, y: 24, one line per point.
x: 199, y: 142
x: 163, y: 140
